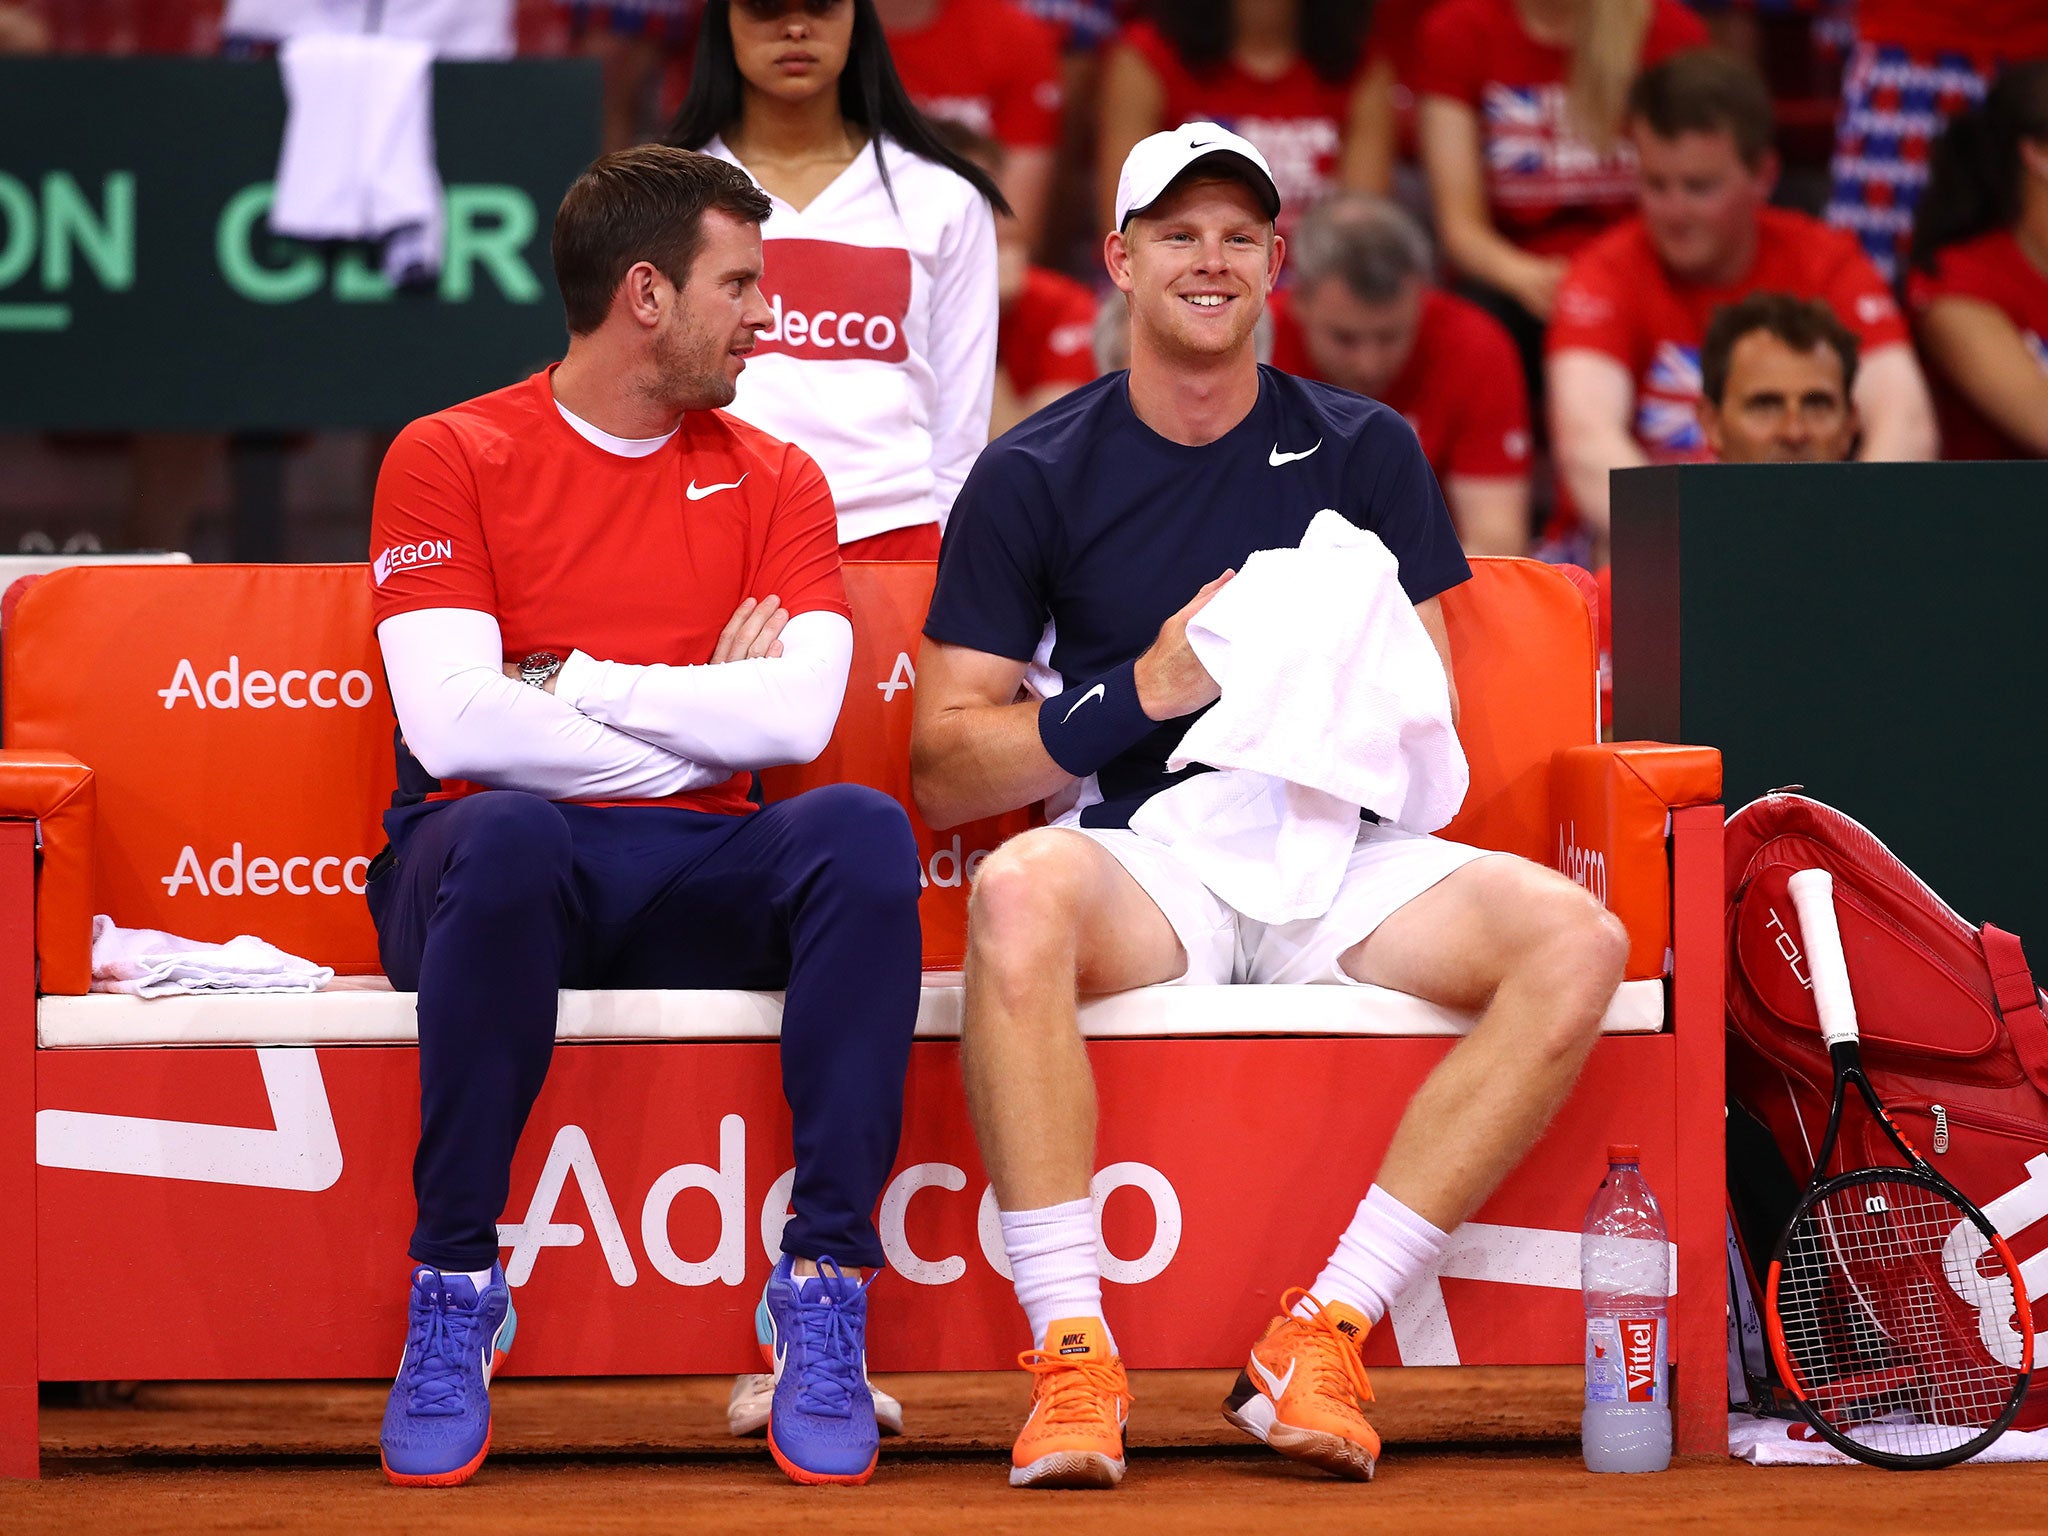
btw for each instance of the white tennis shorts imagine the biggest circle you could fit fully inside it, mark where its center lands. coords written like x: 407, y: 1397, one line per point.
x: 1389, y: 868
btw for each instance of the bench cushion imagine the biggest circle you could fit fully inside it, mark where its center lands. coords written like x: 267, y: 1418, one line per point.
x: 363, y: 1010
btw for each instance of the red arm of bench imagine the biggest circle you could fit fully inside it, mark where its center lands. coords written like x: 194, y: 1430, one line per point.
x: 1610, y: 812
x: 55, y: 790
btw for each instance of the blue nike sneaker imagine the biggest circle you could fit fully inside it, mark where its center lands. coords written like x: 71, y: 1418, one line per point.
x: 821, y: 1425
x: 437, y: 1425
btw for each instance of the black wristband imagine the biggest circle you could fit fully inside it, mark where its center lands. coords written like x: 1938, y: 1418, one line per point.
x: 1095, y: 721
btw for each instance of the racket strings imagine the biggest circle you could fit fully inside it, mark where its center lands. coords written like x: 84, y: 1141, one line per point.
x: 1898, y: 1317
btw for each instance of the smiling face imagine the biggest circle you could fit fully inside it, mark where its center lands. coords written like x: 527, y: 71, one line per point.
x: 1197, y: 265
x: 791, y: 50
x: 1700, y: 201
x: 710, y: 322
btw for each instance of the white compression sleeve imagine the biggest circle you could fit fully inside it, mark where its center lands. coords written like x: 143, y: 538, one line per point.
x: 965, y: 315
x: 734, y: 715
x: 463, y: 718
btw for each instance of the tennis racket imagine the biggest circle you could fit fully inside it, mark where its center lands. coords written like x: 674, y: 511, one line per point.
x: 1895, y: 1311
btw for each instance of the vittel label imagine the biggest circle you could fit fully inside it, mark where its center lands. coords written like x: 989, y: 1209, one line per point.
x: 1625, y: 1360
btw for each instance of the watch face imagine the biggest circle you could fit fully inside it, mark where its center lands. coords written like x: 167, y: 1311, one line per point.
x: 540, y: 661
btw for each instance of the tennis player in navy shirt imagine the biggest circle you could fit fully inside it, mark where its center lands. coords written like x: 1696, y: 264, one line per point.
x: 1056, y: 668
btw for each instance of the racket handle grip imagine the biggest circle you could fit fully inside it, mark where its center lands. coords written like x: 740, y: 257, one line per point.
x: 1813, y: 897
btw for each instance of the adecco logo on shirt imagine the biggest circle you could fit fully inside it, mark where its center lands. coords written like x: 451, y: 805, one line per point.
x: 836, y: 301
x: 232, y: 688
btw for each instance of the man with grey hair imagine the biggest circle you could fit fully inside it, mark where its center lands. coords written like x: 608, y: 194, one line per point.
x: 1364, y: 314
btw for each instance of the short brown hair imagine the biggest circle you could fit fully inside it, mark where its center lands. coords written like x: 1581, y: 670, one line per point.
x: 1706, y: 90
x: 1802, y: 324
x: 641, y: 204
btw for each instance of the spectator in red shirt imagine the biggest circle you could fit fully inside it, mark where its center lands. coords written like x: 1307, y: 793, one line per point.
x: 1521, y: 108
x: 1777, y: 376
x: 1632, y: 312
x: 1916, y: 63
x: 1364, y: 315
x: 1289, y: 75
x: 1979, y: 287
x: 988, y: 66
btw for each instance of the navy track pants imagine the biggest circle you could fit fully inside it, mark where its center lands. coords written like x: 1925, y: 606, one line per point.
x: 495, y: 901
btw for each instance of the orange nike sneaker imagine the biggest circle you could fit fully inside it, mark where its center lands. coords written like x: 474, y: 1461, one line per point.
x: 1074, y: 1437
x: 1300, y: 1391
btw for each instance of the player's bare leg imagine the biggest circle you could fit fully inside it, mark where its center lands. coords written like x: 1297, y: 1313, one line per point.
x: 1538, y: 960
x: 1054, y: 915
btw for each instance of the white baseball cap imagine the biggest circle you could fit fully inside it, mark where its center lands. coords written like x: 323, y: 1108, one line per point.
x: 1155, y: 163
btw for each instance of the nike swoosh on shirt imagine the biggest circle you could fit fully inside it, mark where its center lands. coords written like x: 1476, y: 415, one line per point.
x: 698, y: 492
x: 1093, y: 693
x: 1278, y: 458
x: 1276, y: 1386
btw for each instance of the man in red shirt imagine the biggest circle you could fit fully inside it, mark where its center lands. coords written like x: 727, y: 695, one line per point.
x: 602, y: 603
x: 1364, y: 315
x: 1623, y: 348
x: 1776, y: 374
x: 990, y: 67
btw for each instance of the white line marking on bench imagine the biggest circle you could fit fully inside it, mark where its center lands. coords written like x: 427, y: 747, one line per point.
x: 302, y: 1153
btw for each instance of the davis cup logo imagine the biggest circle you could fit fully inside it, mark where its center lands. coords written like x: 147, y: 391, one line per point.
x: 424, y: 555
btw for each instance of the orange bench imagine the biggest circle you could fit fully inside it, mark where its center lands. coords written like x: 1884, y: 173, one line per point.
x: 206, y: 750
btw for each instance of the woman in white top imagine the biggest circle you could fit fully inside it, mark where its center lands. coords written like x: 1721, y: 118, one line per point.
x: 880, y: 256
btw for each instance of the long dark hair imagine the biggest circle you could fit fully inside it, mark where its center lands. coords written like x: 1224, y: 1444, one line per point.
x: 871, y: 96
x: 1973, y: 179
x: 1329, y: 34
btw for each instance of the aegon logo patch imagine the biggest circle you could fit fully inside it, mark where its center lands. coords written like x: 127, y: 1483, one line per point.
x: 232, y: 688
x: 424, y: 555
x: 299, y: 875
x: 836, y: 301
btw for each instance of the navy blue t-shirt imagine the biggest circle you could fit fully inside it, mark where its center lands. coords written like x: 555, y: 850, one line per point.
x: 1085, y: 519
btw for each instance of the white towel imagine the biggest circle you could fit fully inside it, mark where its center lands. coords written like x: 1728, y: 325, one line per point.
x: 145, y: 963
x: 1786, y: 1443
x: 1334, y: 699
x: 358, y: 156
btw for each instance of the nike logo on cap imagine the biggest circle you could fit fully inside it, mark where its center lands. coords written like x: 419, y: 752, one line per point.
x: 698, y: 492
x: 1278, y: 458
x: 1096, y: 692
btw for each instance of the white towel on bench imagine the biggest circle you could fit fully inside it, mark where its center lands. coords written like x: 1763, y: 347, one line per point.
x: 143, y: 962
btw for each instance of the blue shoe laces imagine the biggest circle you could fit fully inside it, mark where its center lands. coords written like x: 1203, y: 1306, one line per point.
x: 437, y: 1352
x: 832, y: 1380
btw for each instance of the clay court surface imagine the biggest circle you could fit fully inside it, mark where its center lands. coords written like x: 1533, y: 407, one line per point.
x: 1469, y: 1451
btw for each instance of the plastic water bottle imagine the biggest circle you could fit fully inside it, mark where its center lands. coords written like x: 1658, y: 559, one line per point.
x: 1625, y: 1273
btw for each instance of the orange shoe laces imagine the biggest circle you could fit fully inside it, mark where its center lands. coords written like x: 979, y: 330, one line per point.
x: 1336, y: 1369
x: 1074, y: 1391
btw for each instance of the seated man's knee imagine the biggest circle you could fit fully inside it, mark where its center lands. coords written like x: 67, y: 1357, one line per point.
x: 515, y: 846
x: 1577, y: 950
x: 869, y: 838
x: 1025, y: 901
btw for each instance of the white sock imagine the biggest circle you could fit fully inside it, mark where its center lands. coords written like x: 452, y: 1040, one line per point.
x: 1052, y: 1257
x: 1386, y: 1249
x: 478, y: 1278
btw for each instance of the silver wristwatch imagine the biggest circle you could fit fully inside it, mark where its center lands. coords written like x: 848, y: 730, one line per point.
x: 539, y: 667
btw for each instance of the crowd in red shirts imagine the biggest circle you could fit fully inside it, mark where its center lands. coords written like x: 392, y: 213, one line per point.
x: 1557, y: 196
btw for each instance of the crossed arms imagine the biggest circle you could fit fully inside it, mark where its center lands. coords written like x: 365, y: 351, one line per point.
x: 607, y: 730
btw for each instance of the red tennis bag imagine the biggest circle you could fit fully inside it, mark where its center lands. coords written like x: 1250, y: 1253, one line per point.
x: 1955, y: 1037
